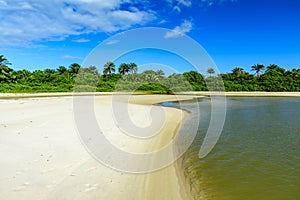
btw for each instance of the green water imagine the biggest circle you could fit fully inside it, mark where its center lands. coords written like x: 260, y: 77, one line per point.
x: 257, y: 156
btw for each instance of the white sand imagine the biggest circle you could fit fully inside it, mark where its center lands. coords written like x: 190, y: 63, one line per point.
x: 42, y: 157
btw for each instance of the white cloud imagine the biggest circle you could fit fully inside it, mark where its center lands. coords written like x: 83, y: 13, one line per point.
x: 70, y: 57
x: 163, y: 21
x: 81, y: 40
x: 186, y: 3
x: 177, y: 8
x: 111, y: 42
x: 208, y: 3
x: 30, y: 22
x: 179, y: 4
x: 178, y: 31
x: 26, y: 22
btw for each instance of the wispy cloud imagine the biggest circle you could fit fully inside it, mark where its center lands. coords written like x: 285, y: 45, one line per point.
x: 163, y: 21
x: 31, y: 22
x: 47, y: 20
x: 178, y: 31
x: 177, y: 8
x: 186, y: 3
x: 177, y: 5
x: 70, y: 57
x: 111, y: 42
x: 81, y: 40
x: 208, y: 3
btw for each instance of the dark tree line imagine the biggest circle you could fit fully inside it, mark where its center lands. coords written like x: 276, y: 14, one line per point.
x: 63, y: 79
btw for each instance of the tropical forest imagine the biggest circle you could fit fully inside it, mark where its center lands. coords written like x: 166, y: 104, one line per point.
x: 126, y: 77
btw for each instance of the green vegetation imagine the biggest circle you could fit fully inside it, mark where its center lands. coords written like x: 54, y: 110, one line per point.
x: 77, y: 78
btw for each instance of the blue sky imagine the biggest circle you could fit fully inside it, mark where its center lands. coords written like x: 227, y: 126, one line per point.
x: 236, y: 33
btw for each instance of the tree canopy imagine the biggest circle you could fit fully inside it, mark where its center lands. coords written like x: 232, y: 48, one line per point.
x: 78, y: 78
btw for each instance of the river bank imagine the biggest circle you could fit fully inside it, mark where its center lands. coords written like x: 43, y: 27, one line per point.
x: 42, y: 156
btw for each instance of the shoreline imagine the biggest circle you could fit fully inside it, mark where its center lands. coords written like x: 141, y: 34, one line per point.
x: 37, y: 117
x: 184, y: 186
x: 244, y: 94
x: 192, y: 93
x: 43, y: 158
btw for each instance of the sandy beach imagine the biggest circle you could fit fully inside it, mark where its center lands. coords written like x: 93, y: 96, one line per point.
x: 42, y: 156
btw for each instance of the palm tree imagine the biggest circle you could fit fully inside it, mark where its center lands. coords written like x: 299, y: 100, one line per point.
x: 149, y: 71
x: 258, y: 68
x: 23, y: 75
x: 275, y: 68
x: 109, y: 68
x: 124, y: 68
x: 237, y: 71
x: 61, y: 70
x: 4, y: 69
x: 6, y: 74
x: 211, y: 71
x: 272, y: 67
x: 74, y: 68
x: 49, y: 74
x: 160, y: 73
x: 49, y: 71
x: 4, y: 61
x: 151, y: 78
x: 92, y: 70
x: 133, y: 68
x: 295, y: 72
